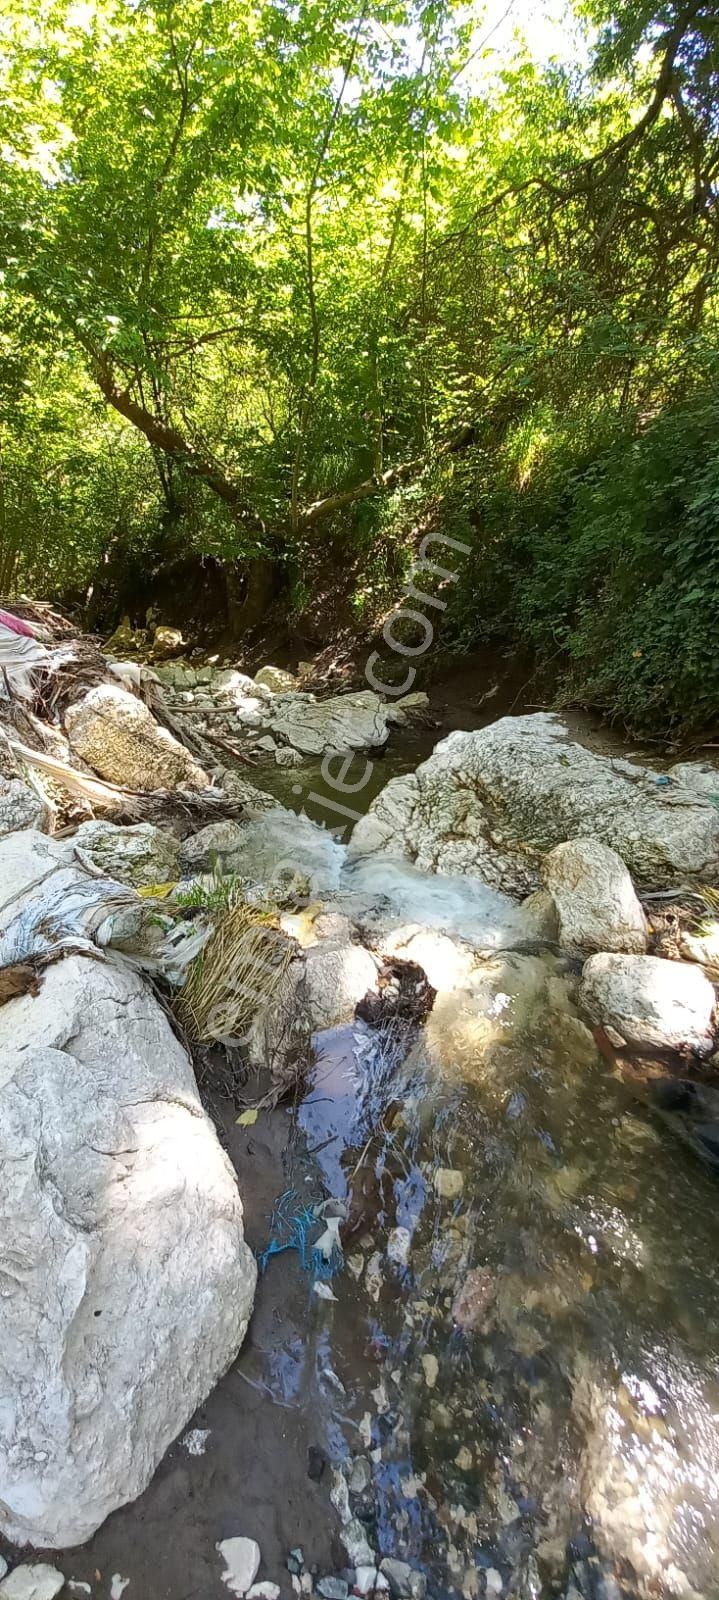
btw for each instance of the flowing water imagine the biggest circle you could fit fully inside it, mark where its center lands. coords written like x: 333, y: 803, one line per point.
x: 522, y: 1352
x: 517, y: 1380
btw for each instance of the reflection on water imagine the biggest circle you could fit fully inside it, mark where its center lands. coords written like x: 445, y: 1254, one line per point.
x: 523, y: 1350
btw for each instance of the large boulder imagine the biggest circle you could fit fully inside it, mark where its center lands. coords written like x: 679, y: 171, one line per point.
x: 126, y: 1282
x: 117, y: 736
x: 648, y: 1002
x: 319, y: 990
x: 597, y: 908
x: 140, y: 855
x: 345, y: 722
x: 493, y: 802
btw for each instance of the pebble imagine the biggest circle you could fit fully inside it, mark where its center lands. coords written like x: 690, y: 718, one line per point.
x: 463, y: 1459
x: 493, y: 1580
x: 296, y: 1560
x: 195, y: 1442
x: 264, y: 1591
x: 398, y: 1246
x: 39, y: 1582
x: 242, y: 1559
x: 333, y: 1588
x: 431, y: 1370
x: 448, y: 1183
x: 118, y: 1586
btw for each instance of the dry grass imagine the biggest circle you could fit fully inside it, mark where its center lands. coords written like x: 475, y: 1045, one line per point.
x: 243, y: 961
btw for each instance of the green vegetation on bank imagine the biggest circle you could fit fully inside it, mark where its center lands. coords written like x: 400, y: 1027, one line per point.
x: 285, y: 284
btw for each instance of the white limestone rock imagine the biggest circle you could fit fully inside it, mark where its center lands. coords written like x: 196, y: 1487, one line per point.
x: 344, y: 723
x: 118, y: 737
x: 493, y: 802
x: 33, y: 1582
x: 126, y: 1282
x: 140, y: 855
x: 649, y: 1002
x: 242, y: 1560
x: 594, y: 896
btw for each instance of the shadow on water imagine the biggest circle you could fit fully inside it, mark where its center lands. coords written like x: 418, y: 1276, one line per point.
x: 522, y: 1352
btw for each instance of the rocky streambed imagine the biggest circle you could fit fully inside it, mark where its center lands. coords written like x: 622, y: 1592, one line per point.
x: 469, y: 1113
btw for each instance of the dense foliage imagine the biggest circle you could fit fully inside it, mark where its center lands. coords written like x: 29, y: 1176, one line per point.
x: 285, y: 284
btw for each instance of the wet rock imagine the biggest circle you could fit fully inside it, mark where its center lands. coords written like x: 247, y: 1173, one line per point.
x: 242, y: 1560
x: 319, y: 990
x: 276, y: 679
x: 345, y: 723
x: 404, y: 1581
x: 137, y: 1284
x: 36, y: 1582
x: 333, y: 1588
x: 493, y: 802
x: 448, y: 1183
x: 287, y: 757
x: 118, y: 737
x: 295, y: 1561
x: 398, y: 1246
x: 430, y: 1367
x: 474, y: 1299
x: 649, y: 1002
x: 594, y: 897
x: 140, y: 855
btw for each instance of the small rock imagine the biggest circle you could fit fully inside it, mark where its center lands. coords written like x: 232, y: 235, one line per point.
x: 398, y: 1246
x: 78, y: 1587
x: 431, y: 1370
x: 195, y: 1441
x: 287, y: 757
x: 264, y: 1591
x: 242, y: 1559
x: 295, y: 1561
x: 360, y: 1476
x: 316, y: 1463
x: 404, y: 1580
x: 493, y: 1581
x: 266, y: 743
x: 339, y: 1496
x: 39, y: 1582
x: 365, y: 1580
x: 333, y: 1588
x: 463, y: 1459
x: 448, y: 1183
x: 354, y: 1539
x: 118, y: 1586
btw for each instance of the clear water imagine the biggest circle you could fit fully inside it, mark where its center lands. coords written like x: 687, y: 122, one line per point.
x: 535, y: 1389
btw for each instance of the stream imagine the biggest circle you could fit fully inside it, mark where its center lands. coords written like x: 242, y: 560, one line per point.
x: 511, y: 1381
